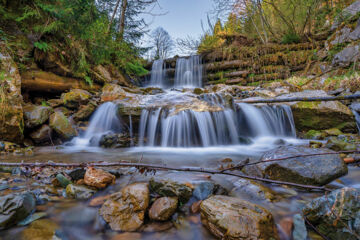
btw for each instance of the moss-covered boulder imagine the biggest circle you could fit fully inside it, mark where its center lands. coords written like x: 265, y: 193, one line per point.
x: 313, y: 170
x: 11, y: 112
x: 61, y: 125
x: 234, y: 218
x: 337, y: 144
x: 85, y: 111
x: 318, y: 115
x: 36, y: 115
x: 42, y: 134
x: 171, y: 189
x: 75, y: 97
x: 336, y: 215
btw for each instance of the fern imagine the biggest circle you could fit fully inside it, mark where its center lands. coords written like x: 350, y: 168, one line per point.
x: 88, y: 80
x: 43, y: 46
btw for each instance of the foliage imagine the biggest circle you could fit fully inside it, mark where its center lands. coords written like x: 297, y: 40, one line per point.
x: 42, y: 46
x: 290, y: 38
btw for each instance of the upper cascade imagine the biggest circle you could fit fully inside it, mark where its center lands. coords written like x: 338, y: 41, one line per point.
x: 158, y: 74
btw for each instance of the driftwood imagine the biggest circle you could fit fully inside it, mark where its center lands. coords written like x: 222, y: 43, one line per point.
x: 302, y: 99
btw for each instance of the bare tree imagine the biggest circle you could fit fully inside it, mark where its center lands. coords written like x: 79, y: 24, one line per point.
x: 162, y: 44
x: 187, y: 45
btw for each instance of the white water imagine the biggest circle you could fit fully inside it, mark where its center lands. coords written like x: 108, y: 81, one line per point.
x: 158, y: 74
x: 104, y: 120
x: 188, y: 72
x: 357, y: 118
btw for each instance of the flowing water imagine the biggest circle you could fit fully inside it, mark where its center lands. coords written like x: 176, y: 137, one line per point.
x: 188, y: 72
x: 158, y: 74
x: 357, y: 118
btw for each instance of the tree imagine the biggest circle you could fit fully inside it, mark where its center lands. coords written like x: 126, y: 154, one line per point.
x: 162, y: 44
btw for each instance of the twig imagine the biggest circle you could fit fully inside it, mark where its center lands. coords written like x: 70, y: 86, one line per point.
x: 161, y: 167
x: 315, y: 229
x: 284, y: 158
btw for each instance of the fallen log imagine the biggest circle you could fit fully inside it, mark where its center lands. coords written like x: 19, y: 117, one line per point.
x: 301, y: 99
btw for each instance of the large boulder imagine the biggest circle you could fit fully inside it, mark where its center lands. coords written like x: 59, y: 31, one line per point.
x: 75, y: 97
x: 336, y: 215
x: 125, y: 211
x: 318, y: 115
x: 314, y: 170
x: 98, y: 178
x: 15, y: 207
x: 347, y: 56
x: 36, y: 115
x: 62, y: 126
x: 41, y: 135
x: 11, y: 112
x: 347, y: 13
x: 85, y: 111
x: 234, y: 218
x: 167, y: 188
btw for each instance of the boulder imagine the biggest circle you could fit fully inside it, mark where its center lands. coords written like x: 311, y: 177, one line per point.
x: 79, y: 192
x: 41, y: 135
x: 347, y: 56
x: 11, y: 111
x: 318, y: 115
x: 113, y: 140
x: 203, y: 190
x: 15, y: 207
x: 313, y: 170
x: 98, y: 178
x: 336, y: 215
x: 171, y: 189
x: 40, y: 229
x: 299, y: 230
x: 341, y: 36
x: 111, y: 92
x: 251, y: 191
x: 125, y: 211
x: 84, y: 112
x: 163, y: 208
x: 234, y: 218
x: 75, y: 97
x: 61, y: 125
x: 347, y: 13
x: 336, y: 144
x: 36, y: 115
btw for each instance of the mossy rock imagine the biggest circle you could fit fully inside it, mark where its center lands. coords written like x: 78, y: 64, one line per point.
x: 36, y: 115
x: 75, y: 97
x: 314, y: 134
x: 61, y: 125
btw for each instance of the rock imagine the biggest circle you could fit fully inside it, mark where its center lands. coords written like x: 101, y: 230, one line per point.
x: 76, y: 174
x: 75, y: 97
x: 63, y: 180
x: 251, y: 191
x: 79, y: 192
x: 171, y: 189
x: 127, y: 236
x: 31, y: 218
x: 339, y: 145
x: 98, y: 201
x: 346, y: 14
x: 234, y: 218
x: 157, y: 227
x: 11, y: 120
x: 286, y: 225
x: 336, y: 215
x: 54, y: 103
x: 98, y: 178
x: 163, y: 208
x: 355, y: 106
x: 62, y: 126
x: 102, y: 75
x: 36, y: 115
x: 195, y: 207
x: 41, y: 135
x: 111, y: 92
x: 355, y: 35
x: 40, y: 229
x: 125, y: 211
x: 332, y: 132
x: 84, y: 112
x: 314, y: 134
x: 341, y: 36
x: 318, y: 115
x: 299, y: 231
x: 313, y: 170
x: 203, y: 190
x: 113, y: 140
x: 347, y: 56
x: 15, y: 207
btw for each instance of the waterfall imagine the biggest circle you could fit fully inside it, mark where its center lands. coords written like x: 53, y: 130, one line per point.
x: 357, y: 118
x: 189, y: 128
x: 158, y: 74
x: 188, y: 72
x: 105, y: 119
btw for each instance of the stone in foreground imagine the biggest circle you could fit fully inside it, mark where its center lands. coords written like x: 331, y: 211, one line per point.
x: 313, y: 170
x: 163, y: 208
x: 233, y: 218
x: 336, y: 215
x: 125, y: 211
x: 98, y: 178
x: 79, y: 192
x: 171, y: 189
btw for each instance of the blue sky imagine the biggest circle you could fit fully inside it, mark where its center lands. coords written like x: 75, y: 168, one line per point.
x: 183, y: 17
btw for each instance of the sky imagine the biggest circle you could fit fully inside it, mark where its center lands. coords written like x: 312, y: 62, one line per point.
x: 183, y: 17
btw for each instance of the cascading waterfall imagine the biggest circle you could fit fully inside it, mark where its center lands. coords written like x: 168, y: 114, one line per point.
x: 158, y: 74
x: 188, y: 72
x: 104, y: 120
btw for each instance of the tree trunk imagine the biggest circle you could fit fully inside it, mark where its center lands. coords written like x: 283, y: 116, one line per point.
x: 122, y: 20
x: 113, y: 15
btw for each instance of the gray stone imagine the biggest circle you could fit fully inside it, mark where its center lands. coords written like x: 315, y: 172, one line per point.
x: 314, y: 170
x: 79, y: 192
x: 203, y: 190
x: 251, y: 191
x: 347, y: 56
x: 336, y: 215
x: 347, y: 13
x: 171, y: 189
x: 299, y: 232
x: 36, y: 115
x: 341, y: 36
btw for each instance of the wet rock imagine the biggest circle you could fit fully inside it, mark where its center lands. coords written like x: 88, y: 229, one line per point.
x: 113, y: 140
x: 79, y: 192
x: 98, y: 178
x: 55, y: 102
x: 318, y: 115
x: 251, y: 191
x: 339, y: 145
x: 76, y: 174
x: 75, y: 97
x: 11, y: 120
x: 171, y: 189
x: 336, y: 215
x: 64, y: 181
x: 62, y: 126
x: 36, y: 115
x: 233, y: 218
x: 347, y: 56
x: 299, y: 230
x: 163, y: 208
x: 332, y: 132
x: 84, y: 112
x: 40, y: 229
x: 314, y: 170
x: 125, y: 211
x: 203, y: 190
x: 98, y: 201
x: 15, y: 207
x: 127, y: 236
x: 157, y: 227
x: 41, y: 135
x: 79, y: 216
x: 31, y: 218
